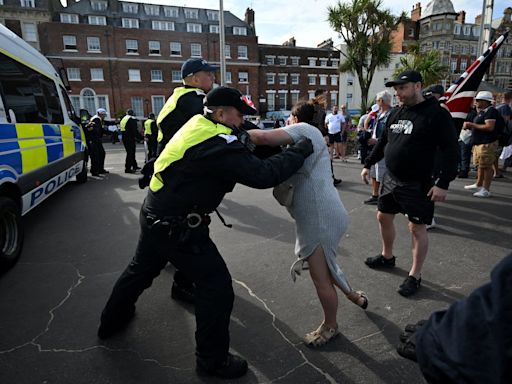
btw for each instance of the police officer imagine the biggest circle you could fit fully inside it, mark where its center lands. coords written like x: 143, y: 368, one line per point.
x: 129, y: 134
x: 150, y: 136
x: 197, y: 168
x: 198, y: 77
x: 94, y: 132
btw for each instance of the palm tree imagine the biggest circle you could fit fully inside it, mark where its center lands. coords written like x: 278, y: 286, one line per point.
x: 427, y: 63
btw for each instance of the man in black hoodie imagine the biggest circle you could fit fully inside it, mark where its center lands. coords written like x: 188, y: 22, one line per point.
x: 412, y: 135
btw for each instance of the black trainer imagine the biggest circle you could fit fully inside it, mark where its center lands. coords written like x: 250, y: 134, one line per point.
x: 186, y: 294
x: 409, y: 286
x: 107, y: 329
x: 380, y: 261
x: 231, y: 368
x: 410, y: 329
x: 408, y: 349
x: 373, y: 200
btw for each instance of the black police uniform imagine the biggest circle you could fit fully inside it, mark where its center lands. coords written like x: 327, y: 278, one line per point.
x: 129, y: 137
x: 174, y: 227
x: 95, y: 147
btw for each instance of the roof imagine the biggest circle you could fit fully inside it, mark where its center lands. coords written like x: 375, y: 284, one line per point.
x: 438, y: 7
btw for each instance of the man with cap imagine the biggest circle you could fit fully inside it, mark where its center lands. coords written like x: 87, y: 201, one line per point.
x: 408, y: 143
x: 129, y: 134
x: 95, y: 148
x: 485, y: 143
x: 199, y: 165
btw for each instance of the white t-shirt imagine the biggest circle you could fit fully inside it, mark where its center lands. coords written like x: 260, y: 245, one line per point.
x: 334, y: 122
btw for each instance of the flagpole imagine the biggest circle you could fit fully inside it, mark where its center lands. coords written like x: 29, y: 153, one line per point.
x: 222, y: 45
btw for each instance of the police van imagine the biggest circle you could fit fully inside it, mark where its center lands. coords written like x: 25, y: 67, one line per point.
x: 41, y: 146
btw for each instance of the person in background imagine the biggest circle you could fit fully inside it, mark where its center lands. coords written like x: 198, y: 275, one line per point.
x: 129, y: 134
x: 320, y: 218
x: 505, y: 111
x: 334, y: 121
x: 96, y: 151
x: 344, y: 132
x: 150, y: 136
x: 485, y: 143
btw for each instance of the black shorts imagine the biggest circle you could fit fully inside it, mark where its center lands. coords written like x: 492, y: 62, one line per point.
x: 334, y: 137
x: 409, y: 198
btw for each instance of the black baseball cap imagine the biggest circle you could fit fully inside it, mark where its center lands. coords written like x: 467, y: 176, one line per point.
x: 437, y: 88
x: 405, y: 77
x: 228, y: 97
x: 192, y: 66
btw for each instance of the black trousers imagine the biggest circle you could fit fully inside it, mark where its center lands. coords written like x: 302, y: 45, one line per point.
x: 197, y: 258
x: 130, y: 162
x: 97, y: 155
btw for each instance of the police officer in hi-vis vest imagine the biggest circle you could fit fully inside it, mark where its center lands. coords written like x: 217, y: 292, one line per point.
x: 150, y: 136
x: 128, y: 127
x: 199, y: 165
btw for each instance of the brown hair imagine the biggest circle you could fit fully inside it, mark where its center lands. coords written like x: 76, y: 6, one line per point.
x: 304, y: 111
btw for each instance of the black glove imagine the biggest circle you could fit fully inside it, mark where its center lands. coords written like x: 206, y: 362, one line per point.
x: 304, y: 146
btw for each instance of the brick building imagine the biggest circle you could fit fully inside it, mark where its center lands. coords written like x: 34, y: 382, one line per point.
x: 500, y: 73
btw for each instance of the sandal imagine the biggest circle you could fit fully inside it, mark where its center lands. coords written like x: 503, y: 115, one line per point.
x: 355, y: 296
x: 321, y: 336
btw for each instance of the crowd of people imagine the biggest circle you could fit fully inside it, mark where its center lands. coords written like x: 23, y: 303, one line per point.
x: 411, y: 153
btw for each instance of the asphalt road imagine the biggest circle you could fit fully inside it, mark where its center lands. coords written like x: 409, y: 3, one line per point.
x: 80, y: 240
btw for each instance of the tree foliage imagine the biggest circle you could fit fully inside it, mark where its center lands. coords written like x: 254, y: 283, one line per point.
x: 366, y: 30
x: 427, y: 63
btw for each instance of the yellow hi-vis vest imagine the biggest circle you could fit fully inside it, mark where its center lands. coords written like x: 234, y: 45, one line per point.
x: 147, y: 127
x: 195, y: 131
x: 170, y: 105
x: 123, y: 122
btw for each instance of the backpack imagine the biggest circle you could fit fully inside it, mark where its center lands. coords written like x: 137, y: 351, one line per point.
x: 503, y: 131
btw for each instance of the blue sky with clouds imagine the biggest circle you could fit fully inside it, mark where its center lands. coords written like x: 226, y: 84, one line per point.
x: 277, y: 21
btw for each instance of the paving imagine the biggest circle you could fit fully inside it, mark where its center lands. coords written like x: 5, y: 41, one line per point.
x: 80, y: 240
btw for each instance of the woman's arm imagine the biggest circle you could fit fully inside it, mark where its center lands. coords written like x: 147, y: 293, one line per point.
x: 273, y: 138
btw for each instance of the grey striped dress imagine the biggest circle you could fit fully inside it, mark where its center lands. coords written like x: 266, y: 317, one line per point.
x: 320, y: 217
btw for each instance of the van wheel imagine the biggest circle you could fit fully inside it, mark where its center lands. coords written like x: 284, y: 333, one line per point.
x: 82, y: 176
x: 11, y: 233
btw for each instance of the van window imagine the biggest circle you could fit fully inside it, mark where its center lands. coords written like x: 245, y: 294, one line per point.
x: 71, y: 111
x: 30, y: 95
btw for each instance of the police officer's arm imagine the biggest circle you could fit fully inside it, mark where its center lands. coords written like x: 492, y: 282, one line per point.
x: 245, y: 168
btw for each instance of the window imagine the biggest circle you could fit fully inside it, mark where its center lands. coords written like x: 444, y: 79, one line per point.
x: 162, y: 25
x: 281, y: 100
x: 240, y: 31
x: 138, y: 105
x: 134, y: 75
x: 453, y: 65
x: 467, y: 30
x: 212, y: 15
x: 154, y: 48
x: 312, y: 61
x: 75, y: 102
x: 97, y: 20
x: 350, y: 97
x: 214, y: 28
x: 295, y: 60
x: 28, y: 3
x: 175, y: 48
x: 31, y: 96
x: 191, y: 13
x: 195, y: 50
x: 334, y: 99
x: 476, y: 31
x: 93, y: 44
x: 171, y: 12
x: 130, y: 23
x: 411, y: 32
x: 270, y: 60
x: 334, y: 80
x: 271, y: 78
x: 271, y: 101
x: 228, y: 77
x: 282, y: 78
x: 465, y: 50
x: 195, y: 28
x: 463, y: 65
x: 227, y: 51
x: 69, y: 42
x: 243, y: 77
x: 323, y: 62
x: 294, y: 79
x: 98, y: 5
x: 152, y: 10
x: 312, y: 79
x: 294, y: 97
x: 30, y: 32
x: 311, y: 94
x: 73, y: 74
x: 335, y: 63
x: 437, y: 26
x: 97, y: 74
x: 176, y: 76
x: 130, y: 7
x: 350, y: 80
x: 473, y: 50
x: 457, y: 29
x: 68, y: 18
x: 323, y: 79
x: 282, y: 60
x: 157, y: 103
x: 156, y: 75
x: 242, y: 51
x: 132, y: 47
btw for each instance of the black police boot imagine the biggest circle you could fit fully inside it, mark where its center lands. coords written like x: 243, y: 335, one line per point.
x: 109, y: 328
x: 182, y: 293
x: 231, y: 368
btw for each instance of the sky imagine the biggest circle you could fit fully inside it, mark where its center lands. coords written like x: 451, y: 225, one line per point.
x: 278, y: 20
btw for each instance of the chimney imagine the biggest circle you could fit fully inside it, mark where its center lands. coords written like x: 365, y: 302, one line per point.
x: 326, y: 44
x: 416, y: 12
x: 461, y: 17
x: 249, y: 18
x: 290, y: 42
x: 478, y: 19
